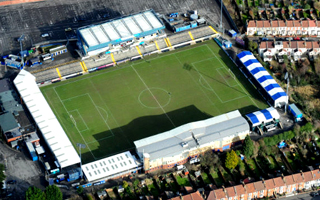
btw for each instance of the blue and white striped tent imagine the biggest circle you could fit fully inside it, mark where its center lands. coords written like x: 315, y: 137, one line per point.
x: 263, y: 116
x: 266, y: 81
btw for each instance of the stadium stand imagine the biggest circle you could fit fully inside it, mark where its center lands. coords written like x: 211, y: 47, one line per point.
x: 264, y: 120
x: 174, y: 147
x: 95, y: 39
x: 264, y: 82
x: 45, y: 119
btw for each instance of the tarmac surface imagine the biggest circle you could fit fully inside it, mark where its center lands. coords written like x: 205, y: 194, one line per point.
x: 21, y: 168
x: 52, y: 17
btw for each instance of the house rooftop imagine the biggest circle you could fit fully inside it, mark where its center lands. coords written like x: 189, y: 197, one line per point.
x: 230, y: 191
x: 269, y: 184
x: 220, y: 193
x: 278, y: 182
x: 250, y: 188
x: 298, y: 178
x: 239, y: 189
x: 259, y: 186
x: 289, y: 180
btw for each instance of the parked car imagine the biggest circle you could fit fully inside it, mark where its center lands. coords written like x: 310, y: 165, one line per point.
x: 11, y: 182
x: 314, y: 194
x: 289, y: 38
x: 305, y: 38
x: 68, y: 29
x: 45, y: 35
x: 264, y: 39
x: 296, y: 38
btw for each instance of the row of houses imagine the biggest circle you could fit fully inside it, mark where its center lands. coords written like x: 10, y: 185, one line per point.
x: 284, y: 185
x: 295, y: 49
x: 283, y: 27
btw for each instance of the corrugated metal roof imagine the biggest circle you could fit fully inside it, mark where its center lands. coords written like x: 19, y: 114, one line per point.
x: 170, y: 143
x: 109, y: 166
x: 47, y: 122
x: 120, y: 29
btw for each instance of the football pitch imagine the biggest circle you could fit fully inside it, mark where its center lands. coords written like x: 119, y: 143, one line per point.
x: 109, y: 109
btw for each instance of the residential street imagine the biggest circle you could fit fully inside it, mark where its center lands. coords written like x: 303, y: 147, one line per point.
x: 305, y: 196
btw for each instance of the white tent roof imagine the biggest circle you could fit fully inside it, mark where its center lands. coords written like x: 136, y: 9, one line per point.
x: 109, y: 166
x: 47, y: 122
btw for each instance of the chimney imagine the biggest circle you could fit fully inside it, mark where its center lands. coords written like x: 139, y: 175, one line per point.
x: 302, y: 174
x: 224, y: 189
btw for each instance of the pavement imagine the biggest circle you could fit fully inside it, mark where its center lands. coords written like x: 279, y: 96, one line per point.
x: 21, y: 168
x: 52, y: 17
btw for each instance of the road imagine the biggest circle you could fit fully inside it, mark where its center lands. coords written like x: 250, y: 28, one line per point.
x: 305, y: 196
x: 52, y: 17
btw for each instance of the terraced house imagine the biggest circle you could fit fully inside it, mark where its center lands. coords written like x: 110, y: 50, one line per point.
x: 283, y: 27
x: 284, y: 185
x: 269, y: 50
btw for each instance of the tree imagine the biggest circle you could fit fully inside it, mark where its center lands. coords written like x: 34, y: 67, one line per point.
x: 53, y: 193
x: 125, y: 184
x: 232, y: 160
x: 251, y: 13
x: 209, y: 159
x: 307, y: 6
x: 307, y: 130
x: 34, y: 193
x: 89, y: 196
x: 248, y: 147
x: 255, y: 149
x: 242, y: 168
x: 316, y: 5
x: 317, y: 65
x: 80, y: 190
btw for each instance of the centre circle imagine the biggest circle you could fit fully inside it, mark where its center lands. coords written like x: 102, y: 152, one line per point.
x: 154, y: 98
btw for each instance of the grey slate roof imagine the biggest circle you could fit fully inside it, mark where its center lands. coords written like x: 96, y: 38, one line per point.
x: 8, y: 122
x: 9, y: 101
x: 213, y: 129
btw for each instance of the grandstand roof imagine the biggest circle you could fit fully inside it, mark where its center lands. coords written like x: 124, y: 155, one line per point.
x: 263, y: 116
x: 47, y: 122
x: 120, y: 29
x: 263, y: 77
x: 109, y: 166
x: 214, y: 129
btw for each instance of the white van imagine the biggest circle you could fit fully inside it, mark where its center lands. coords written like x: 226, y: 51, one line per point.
x: 45, y: 35
x: 180, y: 167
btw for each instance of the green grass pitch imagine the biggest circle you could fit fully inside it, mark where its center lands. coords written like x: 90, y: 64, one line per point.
x: 109, y: 109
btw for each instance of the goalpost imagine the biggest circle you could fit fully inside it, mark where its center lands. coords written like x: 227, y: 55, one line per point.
x: 73, y: 120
